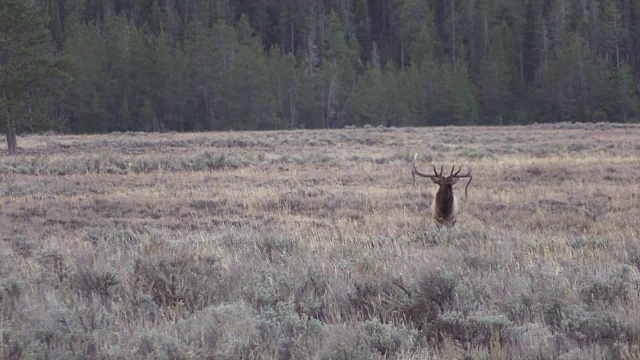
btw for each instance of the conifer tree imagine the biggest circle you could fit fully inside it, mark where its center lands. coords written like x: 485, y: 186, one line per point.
x: 29, y: 70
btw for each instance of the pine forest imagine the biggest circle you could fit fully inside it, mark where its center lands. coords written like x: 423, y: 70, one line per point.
x: 98, y: 66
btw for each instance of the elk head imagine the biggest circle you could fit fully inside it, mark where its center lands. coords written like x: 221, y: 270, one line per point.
x: 444, y: 208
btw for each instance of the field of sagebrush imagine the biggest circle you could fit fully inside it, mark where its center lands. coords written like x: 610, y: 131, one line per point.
x: 315, y: 244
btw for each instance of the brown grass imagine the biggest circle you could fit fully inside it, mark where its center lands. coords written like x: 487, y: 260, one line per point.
x: 315, y: 244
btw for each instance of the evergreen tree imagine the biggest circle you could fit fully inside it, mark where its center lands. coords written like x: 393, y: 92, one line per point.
x: 363, y: 30
x: 416, y: 32
x: 119, y: 33
x: 56, y: 17
x: 246, y: 99
x: 210, y: 53
x: 29, y: 71
x: 172, y: 85
x: 87, y: 96
x: 454, y: 97
x: 575, y: 85
x: 530, y: 49
x: 625, y: 99
x: 497, y: 78
x: 370, y: 103
x: 284, y: 81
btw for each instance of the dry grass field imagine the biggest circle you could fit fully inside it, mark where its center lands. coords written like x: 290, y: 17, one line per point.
x: 315, y: 244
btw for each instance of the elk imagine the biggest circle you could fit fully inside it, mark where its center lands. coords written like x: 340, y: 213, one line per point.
x: 444, y: 208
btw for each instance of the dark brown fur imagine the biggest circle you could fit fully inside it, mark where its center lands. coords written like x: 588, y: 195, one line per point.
x: 444, y: 208
x: 444, y: 201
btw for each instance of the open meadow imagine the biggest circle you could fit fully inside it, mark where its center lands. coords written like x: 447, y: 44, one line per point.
x: 315, y: 244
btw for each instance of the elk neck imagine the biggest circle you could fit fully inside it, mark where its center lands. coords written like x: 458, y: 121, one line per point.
x: 444, y: 200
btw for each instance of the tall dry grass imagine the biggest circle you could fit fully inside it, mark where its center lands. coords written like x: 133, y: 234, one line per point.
x: 315, y: 244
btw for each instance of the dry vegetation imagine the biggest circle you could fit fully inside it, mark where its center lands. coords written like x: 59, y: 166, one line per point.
x: 314, y: 244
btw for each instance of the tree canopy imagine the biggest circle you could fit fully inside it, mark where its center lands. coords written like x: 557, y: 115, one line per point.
x: 195, y: 65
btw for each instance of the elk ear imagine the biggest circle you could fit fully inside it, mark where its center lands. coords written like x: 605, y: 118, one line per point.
x: 435, y: 180
x: 453, y: 181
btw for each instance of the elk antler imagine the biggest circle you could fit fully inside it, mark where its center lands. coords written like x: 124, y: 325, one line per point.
x: 415, y: 171
x: 453, y: 175
x: 456, y: 176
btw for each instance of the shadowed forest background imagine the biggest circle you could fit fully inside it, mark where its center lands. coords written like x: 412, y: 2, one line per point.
x: 197, y: 65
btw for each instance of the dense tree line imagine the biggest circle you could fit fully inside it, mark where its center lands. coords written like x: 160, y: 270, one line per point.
x: 188, y: 65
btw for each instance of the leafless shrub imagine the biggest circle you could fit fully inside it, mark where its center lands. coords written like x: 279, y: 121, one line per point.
x: 435, y: 288
x: 101, y: 283
x: 473, y: 330
x: 309, y: 295
x: 177, y: 281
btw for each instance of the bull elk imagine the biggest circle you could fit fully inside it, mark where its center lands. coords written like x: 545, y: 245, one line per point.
x: 444, y: 208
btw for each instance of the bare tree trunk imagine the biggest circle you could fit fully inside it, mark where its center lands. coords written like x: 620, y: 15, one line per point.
x: 625, y: 107
x: 472, y: 38
x: 626, y: 14
x: 332, y: 103
x: 521, y: 60
x: 12, y: 144
x: 486, y: 34
x: 544, y: 44
x: 617, y: 55
x: 9, y: 139
x: 324, y: 118
x: 453, y: 34
x: 293, y: 39
x: 279, y: 93
x: 615, y: 24
x: 282, y: 34
x: 207, y: 107
x: 376, y: 56
x: 292, y: 108
x: 322, y: 34
x: 155, y: 123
